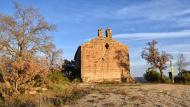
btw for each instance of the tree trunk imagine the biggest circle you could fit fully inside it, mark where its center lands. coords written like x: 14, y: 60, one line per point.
x: 161, y: 76
x: 16, y: 86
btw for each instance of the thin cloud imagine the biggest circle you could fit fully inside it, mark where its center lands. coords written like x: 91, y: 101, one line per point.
x: 154, y: 10
x: 149, y: 36
x: 185, y: 12
x: 174, y: 12
x: 177, y: 46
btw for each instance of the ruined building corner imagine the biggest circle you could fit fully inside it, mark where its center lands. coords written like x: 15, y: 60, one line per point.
x: 108, y: 33
x: 100, y: 33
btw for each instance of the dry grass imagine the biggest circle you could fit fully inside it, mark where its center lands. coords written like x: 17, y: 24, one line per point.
x: 112, y: 96
x: 108, y: 104
x: 133, y: 98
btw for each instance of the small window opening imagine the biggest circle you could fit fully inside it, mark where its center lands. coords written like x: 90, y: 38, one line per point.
x: 107, y: 46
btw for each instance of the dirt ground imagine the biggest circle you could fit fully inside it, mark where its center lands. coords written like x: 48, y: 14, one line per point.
x: 134, y: 95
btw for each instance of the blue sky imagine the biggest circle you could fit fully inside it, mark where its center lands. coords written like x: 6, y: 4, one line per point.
x: 133, y: 22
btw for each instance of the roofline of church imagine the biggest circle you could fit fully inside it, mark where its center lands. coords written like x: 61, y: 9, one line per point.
x: 101, y: 36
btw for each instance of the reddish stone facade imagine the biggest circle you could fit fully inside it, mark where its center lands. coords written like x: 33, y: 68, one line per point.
x: 103, y: 59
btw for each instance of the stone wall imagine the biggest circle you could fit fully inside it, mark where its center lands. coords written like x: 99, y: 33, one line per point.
x: 103, y: 59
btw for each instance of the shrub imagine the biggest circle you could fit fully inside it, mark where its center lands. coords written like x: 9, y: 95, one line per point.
x: 154, y: 76
x: 18, y: 103
x: 58, y: 83
x: 57, y: 77
x: 69, y: 99
x: 1, y: 77
x: 166, y: 79
x: 70, y: 70
x: 57, y: 101
x: 19, y: 75
x: 183, y: 77
x: 38, y: 81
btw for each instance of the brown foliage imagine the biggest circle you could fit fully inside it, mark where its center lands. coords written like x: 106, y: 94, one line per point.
x: 19, y: 75
x: 153, y: 57
x: 23, y: 37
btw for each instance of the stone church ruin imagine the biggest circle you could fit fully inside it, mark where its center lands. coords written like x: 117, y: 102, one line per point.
x: 103, y: 59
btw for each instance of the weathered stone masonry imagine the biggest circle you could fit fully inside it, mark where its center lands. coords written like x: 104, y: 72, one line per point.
x: 103, y: 59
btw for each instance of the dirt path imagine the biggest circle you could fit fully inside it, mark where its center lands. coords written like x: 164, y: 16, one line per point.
x: 135, y: 95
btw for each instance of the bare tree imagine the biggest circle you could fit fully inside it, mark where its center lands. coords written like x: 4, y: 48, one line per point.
x: 151, y: 53
x: 181, y: 62
x: 153, y: 57
x: 55, y: 58
x: 23, y: 38
x: 25, y: 33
